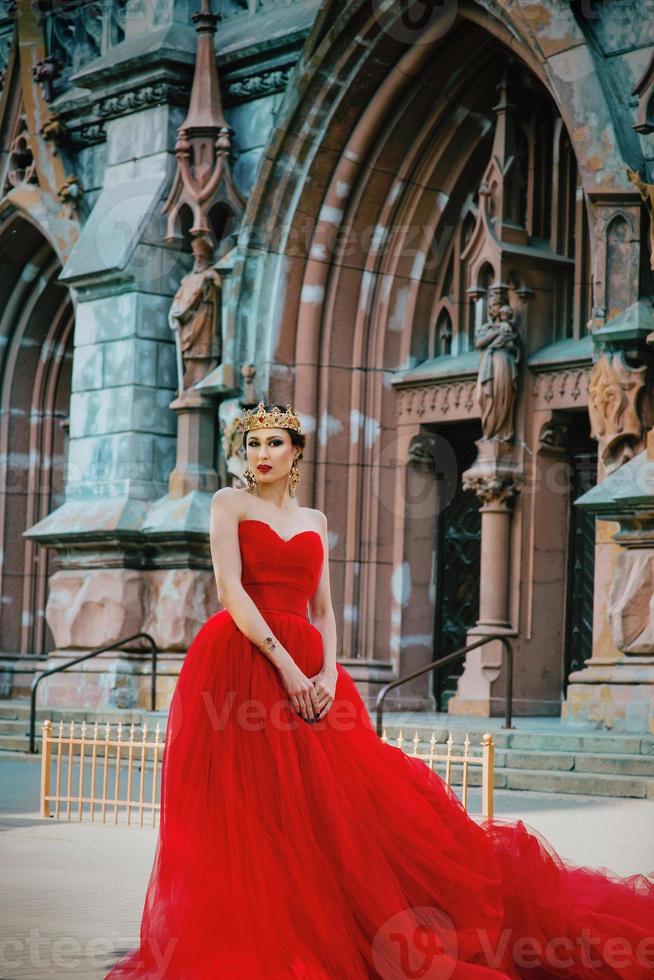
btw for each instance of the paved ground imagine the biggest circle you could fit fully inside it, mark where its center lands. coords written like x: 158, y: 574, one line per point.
x: 72, y: 893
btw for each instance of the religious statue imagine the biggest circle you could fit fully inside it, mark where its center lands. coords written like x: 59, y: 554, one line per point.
x: 498, y: 373
x: 647, y: 194
x: 195, y: 318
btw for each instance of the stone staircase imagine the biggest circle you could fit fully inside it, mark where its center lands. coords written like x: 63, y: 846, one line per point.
x: 542, y: 755
x: 15, y: 715
x: 539, y: 754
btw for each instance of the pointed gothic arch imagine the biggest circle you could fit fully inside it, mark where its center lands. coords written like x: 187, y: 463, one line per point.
x: 36, y: 355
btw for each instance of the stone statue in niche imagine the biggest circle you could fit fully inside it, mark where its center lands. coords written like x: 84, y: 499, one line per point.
x: 497, y: 379
x: 195, y: 318
x: 647, y: 194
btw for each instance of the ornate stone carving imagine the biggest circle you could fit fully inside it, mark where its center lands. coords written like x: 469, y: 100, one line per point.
x: 202, y: 181
x: 554, y: 434
x: 560, y: 384
x: 86, y: 135
x: 203, y: 141
x: 70, y: 194
x: 614, y: 395
x: 491, y: 488
x: 194, y: 316
x: 140, y: 98
x: 45, y: 73
x: 22, y: 168
x: 647, y: 194
x: 495, y: 476
x: 422, y: 453
x: 53, y: 129
x: 437, y: 399
x: 498, y: 372
x: 258, y: 84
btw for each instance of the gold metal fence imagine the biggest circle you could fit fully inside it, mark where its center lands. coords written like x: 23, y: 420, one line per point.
x: 100, y: 775
x: 466, y: 761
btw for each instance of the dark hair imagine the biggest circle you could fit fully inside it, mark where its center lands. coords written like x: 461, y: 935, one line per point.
x: 297, y: 438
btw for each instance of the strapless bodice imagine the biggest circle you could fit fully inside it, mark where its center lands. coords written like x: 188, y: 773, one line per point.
x: 277, y: 573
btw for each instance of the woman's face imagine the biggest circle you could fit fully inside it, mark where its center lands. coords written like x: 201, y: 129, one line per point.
x: 271, y: 449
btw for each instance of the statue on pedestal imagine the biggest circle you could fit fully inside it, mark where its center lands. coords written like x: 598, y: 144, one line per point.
x: 195, y: 318
x: 498, y: 372
x: 647, y: 194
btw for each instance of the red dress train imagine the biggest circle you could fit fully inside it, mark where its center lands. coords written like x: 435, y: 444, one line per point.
x: 318, y: 852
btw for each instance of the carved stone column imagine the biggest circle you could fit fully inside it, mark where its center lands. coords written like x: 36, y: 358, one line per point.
x: 495, y: 477
x: 618, y: 692
x: 612, y: 689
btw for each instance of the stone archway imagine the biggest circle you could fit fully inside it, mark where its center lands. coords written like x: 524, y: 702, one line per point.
x: 333, y: 296
x: 36, y: 354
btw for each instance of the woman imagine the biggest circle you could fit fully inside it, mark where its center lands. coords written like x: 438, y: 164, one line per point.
x: 294, y: 843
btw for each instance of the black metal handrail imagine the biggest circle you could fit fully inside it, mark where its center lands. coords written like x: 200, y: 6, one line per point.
x: 446, y: 660
x: 94, y: 653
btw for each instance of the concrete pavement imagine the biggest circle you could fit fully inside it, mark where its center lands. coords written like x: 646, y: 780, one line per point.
x: 72, y: 893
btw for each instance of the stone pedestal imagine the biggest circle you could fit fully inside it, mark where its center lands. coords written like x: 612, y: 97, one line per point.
x: 495, y: 477
x: 196, y: 441
x: 617, y: 691
x: 88, y: 609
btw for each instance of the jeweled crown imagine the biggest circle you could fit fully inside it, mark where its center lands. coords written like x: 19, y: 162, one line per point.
x: 259, y: 418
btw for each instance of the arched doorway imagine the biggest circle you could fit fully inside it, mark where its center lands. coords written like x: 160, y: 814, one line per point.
x: 36, y: 356
x: 364, y: 282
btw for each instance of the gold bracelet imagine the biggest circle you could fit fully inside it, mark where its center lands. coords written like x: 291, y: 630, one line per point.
x: 268, y: 645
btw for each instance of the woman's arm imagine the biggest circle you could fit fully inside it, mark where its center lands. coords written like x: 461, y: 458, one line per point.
x: 321, y: 611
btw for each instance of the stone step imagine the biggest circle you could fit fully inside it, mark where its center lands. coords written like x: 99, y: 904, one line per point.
x: 15, y: 710
x: 632, y: 763
x: 14, y: 721
x: 528, y: 761
x: 612, y: 763
x: 580, y: 783
x: 17, y: 743
x: 20, y: 726
x: 554, y: 781
x: 603, y: 742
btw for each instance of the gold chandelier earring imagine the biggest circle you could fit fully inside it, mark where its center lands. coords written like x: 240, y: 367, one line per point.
x: 251, y: 479
x: 293, y: 478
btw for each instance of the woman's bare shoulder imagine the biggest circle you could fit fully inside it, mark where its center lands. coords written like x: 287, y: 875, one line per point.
x: 227, y: 498
x: 316, y: 517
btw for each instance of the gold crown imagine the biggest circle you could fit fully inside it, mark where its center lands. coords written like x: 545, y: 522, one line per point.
x: 259, y: 418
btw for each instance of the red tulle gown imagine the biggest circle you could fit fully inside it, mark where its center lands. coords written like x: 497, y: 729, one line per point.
x: 319, y: 852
